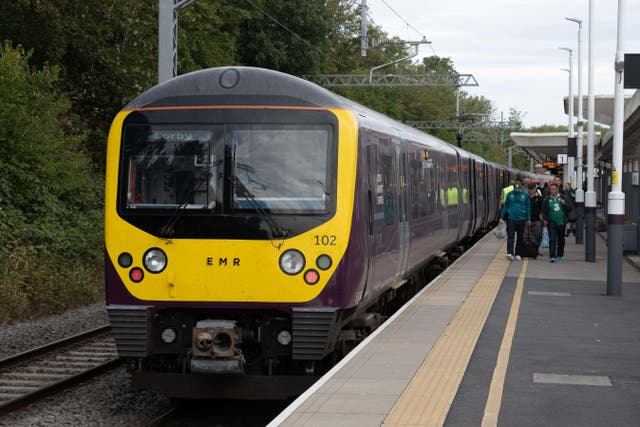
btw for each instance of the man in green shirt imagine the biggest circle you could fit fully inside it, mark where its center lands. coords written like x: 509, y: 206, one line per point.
x: 517, y: 210
x: 554, y: 212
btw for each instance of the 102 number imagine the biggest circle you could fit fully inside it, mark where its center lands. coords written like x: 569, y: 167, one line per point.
x: 325, y: 240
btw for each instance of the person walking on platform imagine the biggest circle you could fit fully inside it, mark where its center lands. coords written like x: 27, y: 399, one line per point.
x: 518, y: 208
x: 536, y: 212
x: 508, y: 189
x: 571, y: 195
x: 554, y: 212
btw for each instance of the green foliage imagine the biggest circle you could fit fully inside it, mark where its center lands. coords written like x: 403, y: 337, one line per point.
x: 547, y: 128
x: 50, y: 197
x: 88, y: 59
x: 302, y: 50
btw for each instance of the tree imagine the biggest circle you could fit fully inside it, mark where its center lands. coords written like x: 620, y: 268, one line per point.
x: 300, y: 48
x: 50, y: 198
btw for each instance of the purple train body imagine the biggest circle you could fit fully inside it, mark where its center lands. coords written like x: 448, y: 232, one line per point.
x: 404, y: 196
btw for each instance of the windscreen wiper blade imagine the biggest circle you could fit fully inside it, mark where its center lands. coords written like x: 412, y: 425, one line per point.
x: 242, y: 191
x: 167, y: 229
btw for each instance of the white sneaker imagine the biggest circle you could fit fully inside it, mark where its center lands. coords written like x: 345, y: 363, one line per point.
x: 518, y: 258
x: 510, y: 257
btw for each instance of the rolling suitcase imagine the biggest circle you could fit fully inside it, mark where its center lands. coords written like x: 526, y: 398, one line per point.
x: 529, y: 247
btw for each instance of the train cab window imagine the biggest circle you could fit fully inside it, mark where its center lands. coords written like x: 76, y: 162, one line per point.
x: 167, y: 167
x: 285, y: 168
x: 221, y: 173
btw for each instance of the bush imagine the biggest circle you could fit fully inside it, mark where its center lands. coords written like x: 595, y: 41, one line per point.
x: 50, y: 196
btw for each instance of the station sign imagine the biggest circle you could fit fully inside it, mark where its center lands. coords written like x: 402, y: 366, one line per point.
x: 632, y: 71
x: 562, y: 159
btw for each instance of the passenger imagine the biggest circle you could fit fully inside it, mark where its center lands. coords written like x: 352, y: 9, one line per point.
x: 544, y: 191
x: 554, y: 211
x: 506, y: 190
x: 557, y: 181
x: 518, y: 208
x: 571, y: 195
x: 536, y: 212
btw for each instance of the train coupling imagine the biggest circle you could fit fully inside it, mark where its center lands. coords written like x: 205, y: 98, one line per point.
x: 214, y: 348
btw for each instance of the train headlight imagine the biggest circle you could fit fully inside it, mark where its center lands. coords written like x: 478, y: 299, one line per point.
x: 125, y: 260
x: 284, y: 337
x: 136, y: 274
x: 168, y: 335
x: 292, y: 261
x: 324, y: 262
x: 155, y: 260
x: 311, y: 277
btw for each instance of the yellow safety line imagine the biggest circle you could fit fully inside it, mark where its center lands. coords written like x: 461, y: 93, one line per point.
x: 492, y: 409
x: 427, y: 398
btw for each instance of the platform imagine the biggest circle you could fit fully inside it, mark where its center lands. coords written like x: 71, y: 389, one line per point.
x: 494, y: 342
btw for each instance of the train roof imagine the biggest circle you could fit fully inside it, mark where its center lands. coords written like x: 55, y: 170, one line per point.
x: 259, y: 86
x: 237, y: 86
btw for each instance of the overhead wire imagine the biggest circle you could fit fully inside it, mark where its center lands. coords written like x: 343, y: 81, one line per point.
x: 265, y: 13
x: 408, y: 24
x: 402, y: 19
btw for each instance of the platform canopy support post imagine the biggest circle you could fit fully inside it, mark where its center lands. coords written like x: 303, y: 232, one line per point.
x: 615, y: 216
x: 590, y: 195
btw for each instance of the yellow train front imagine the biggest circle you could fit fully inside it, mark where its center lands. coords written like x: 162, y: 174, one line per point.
x: 228, y: 211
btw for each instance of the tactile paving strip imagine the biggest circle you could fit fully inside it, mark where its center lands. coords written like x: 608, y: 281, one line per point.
x: 428, y: 397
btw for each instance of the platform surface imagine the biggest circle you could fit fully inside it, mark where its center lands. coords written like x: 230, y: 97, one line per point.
x: 494, y: 342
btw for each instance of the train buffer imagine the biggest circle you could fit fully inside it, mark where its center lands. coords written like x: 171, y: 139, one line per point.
x: 493, y: 342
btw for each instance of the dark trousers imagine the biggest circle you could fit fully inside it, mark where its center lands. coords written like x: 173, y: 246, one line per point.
x: 514, y: 227
x: 556, y: 239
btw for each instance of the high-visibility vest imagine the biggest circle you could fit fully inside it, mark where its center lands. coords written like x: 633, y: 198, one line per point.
x: 506, y: 191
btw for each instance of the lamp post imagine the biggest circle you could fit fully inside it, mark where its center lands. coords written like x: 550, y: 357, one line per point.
x: 590, y: 195
x: 615, y: 211
x: 579, y: 190
x: 571, y: 160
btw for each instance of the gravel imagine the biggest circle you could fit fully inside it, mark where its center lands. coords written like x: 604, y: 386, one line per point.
x: 20, y: 337
x: 107, y: 400
x: 104, y: 401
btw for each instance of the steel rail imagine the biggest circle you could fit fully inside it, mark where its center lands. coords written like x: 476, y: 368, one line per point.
x: 32, y: 384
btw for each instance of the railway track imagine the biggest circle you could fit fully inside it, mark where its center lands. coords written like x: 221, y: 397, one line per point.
x: 39, y: 372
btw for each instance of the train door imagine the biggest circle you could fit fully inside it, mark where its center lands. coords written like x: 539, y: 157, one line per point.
x: 473, y: 197
x: 384, y: 197
x: 456, y: 187
x: 403, y: 217
x: 371, y: 156
x: 486, y: 184
x: 442, y: 196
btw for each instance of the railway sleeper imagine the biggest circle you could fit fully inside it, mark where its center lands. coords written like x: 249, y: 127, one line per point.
x: 26, y: 383
x: 50, y: 370
x: 33, y: 375
x: 19, y: 390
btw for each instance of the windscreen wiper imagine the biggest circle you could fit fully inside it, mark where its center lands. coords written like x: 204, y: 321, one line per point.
x: 167, y: 229
x: 244, y: 192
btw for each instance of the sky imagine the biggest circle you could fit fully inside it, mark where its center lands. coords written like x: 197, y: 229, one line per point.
x: 511, y: 46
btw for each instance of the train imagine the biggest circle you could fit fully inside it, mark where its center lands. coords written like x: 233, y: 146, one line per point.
x: 258, y: 227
